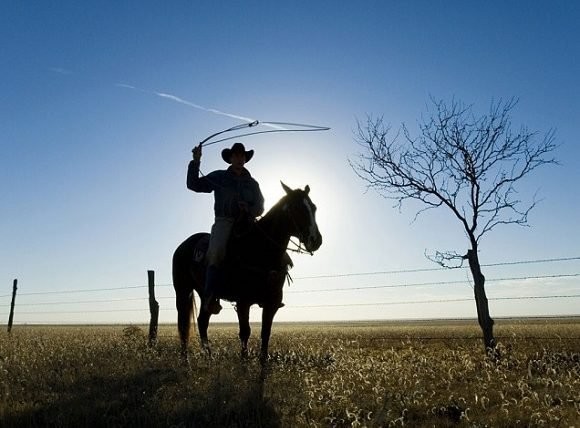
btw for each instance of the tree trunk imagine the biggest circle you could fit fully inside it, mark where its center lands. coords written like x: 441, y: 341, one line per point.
x: 485, y: 321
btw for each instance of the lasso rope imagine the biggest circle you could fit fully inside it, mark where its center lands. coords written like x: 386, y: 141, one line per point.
x: 280, y: 127
x: 298, y: 127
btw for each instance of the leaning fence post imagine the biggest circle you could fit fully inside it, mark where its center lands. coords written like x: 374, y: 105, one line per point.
x: 153, y: 308
x: 11, y: 317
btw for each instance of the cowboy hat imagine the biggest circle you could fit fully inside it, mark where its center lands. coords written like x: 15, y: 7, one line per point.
x: 236, y: 148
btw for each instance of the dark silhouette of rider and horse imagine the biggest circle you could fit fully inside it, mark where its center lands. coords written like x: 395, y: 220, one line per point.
x: 253, y: 270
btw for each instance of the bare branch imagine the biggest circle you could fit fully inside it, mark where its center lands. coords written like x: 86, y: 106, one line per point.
x: 447, y: 259
x: 467, y: 163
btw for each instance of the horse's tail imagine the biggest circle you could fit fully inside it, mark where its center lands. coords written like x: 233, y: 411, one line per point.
x: 183, y: 300
x: 194, y: 311
x: 184, y: 283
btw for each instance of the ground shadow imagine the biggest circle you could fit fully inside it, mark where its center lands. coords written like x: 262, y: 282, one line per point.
x: 152, y: 398
x: 234, y: 398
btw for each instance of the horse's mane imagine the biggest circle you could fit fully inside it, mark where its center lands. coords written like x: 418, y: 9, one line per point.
x: 275, y: 209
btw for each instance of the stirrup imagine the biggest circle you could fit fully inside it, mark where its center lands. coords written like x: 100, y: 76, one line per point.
x: 212, y: 306
x: 215, y: 307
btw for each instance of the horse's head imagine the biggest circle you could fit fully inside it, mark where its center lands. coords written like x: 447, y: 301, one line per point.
x: 302, y: 214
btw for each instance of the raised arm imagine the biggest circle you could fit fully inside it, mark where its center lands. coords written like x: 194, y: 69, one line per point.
x: 194, y: 181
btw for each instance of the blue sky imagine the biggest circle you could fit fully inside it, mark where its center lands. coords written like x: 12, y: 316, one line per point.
x: 92, y: 173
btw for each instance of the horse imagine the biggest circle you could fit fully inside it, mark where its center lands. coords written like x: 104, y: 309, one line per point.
x: 255, y: 269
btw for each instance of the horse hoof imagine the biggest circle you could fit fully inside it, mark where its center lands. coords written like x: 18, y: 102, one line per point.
x: 185, y: 359
x: 205, y: 347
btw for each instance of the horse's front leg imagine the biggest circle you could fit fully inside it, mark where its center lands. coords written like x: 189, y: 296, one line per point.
x: 243, y: 310
x: 267, y: 319
x: 202, y: 326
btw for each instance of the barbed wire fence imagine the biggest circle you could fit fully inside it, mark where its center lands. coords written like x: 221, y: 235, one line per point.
x: 46, y: 303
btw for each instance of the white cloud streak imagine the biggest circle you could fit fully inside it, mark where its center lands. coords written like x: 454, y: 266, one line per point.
x: 60, y: 70
x: 180, y: 100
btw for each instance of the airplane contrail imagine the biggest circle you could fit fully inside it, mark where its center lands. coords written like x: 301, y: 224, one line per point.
x: 60, y: 70
x: 194, y: 105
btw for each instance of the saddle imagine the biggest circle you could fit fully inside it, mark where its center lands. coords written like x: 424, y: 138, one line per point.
x: 236, y: 272
x: 240, y: 229
x: 200, y: 249
x: 202, y: 245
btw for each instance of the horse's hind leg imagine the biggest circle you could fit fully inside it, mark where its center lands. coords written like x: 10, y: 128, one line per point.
x: 243, y: 310
x: 202, y: 325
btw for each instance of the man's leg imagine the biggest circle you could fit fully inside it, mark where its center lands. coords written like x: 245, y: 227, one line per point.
x: 212, y: 284
x: 220, y: 233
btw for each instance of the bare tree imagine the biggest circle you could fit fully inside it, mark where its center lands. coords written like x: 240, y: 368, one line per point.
x: 466, y: 163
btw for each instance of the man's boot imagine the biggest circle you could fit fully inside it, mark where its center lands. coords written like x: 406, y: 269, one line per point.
x: 212, y: 284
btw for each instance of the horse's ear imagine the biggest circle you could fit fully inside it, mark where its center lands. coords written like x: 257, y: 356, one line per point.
x: 287, y: 189
x: 307, y: 189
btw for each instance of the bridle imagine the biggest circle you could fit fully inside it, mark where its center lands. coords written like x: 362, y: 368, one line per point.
x: 300, y: 249
x: 298, y: 246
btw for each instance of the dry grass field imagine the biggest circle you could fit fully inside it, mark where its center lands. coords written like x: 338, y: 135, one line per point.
x: 417, y: 374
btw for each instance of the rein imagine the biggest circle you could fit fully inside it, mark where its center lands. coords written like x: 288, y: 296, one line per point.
x: 299, y: 248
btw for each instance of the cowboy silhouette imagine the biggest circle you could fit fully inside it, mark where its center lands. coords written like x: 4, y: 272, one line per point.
x: 237, y: 199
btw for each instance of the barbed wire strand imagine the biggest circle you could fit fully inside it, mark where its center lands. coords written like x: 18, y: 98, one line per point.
x: 421, y: 284
x: 388, y: 272
x: 408, y: 302
x: 550, y: 260
x: 403, y: 285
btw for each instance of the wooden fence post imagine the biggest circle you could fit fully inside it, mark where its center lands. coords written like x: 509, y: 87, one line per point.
x: 153, y: 308
x: 11, y: 317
